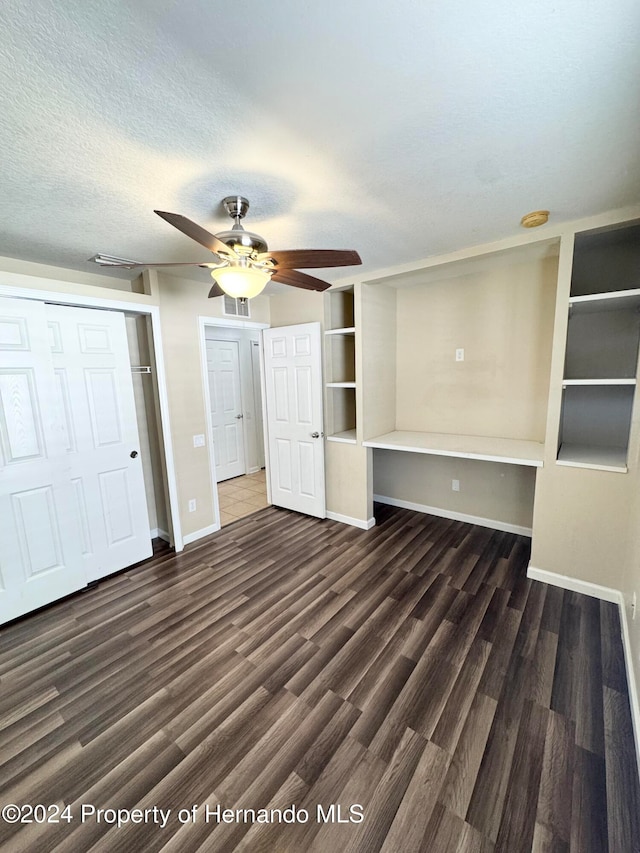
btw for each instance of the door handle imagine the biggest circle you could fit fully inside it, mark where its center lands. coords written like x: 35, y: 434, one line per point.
x: 133, y: 454
x: 316, y: 434
x: 238, y: 417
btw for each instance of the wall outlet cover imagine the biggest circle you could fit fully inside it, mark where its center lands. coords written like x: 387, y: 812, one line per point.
x: 455, y: 485
x: 192, y: 505
x: 460, y: 354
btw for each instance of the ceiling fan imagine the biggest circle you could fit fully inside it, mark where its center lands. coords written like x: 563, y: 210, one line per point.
x: 245, y: 265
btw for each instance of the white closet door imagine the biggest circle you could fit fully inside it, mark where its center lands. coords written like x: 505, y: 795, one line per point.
x: 223, y: 365
x: 293, y: 379
x: 39, y: 555
x: 90, y: 359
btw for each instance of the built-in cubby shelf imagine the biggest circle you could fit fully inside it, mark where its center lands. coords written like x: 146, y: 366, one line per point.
x: 590, y: 456
x: 488, y: 448
x: 615, y: 300
x: 601, y: 356
x: 346, y: 437
x: 566, y: 382
x: 340, y: 365
x: 350, y: 331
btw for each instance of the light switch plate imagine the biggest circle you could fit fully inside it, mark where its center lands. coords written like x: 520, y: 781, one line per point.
x: 198, y: 441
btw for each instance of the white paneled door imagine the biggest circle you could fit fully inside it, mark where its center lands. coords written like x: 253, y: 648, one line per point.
x: 293, y: 379
x: 223, y: 368
x: 72, y: 501
x: 92, y: 373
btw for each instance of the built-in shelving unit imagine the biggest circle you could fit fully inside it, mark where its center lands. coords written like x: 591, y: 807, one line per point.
x: 602, y: 350
x: 340, y: 365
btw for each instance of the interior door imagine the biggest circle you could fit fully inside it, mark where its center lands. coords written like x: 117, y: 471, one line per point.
x: 223, y: 368
x: 39, y: 555
x: 293, y: 378
x: 90, y: 357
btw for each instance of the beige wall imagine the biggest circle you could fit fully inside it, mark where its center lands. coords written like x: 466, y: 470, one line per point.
x: 503, y: 318
x: 296, y: 306
x: 489, y: 490
x: 97, y: 279
x: 376, y: 336
x: 631, y: 585
x: 59, y: 280
x: 347, y: 472
x: 581, y: 524
x: 181, y: 303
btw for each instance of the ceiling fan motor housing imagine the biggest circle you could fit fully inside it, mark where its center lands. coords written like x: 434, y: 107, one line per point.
x: 243, y: 242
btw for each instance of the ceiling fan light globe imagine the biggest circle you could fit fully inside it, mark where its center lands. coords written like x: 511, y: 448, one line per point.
x: 241, y: 282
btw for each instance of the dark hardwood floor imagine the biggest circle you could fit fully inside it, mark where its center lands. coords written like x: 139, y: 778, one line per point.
x: 411, y: 670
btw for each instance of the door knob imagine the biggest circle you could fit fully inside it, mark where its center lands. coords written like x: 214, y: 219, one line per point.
x: 238, y: 417
x: 133, y: 454
x: 316, y: 434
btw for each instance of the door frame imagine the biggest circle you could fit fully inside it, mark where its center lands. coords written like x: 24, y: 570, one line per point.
x: 152, y: 311
x: 205, y: 323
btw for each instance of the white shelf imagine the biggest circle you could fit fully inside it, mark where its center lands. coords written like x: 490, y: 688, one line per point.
x: 346, y: 437
x: 598, y: 458
x: 598, y: 382
x: 351, y: 330
x: 341, y: 384
x: 613, y: 301
x: 487, y: 448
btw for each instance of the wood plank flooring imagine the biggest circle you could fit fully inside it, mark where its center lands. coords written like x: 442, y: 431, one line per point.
x: 410, y: 674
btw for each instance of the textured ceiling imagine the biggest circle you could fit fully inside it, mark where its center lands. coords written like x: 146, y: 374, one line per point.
x: 402, y: 131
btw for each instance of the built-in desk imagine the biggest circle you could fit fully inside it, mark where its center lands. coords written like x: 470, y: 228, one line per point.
x: 509, y: 450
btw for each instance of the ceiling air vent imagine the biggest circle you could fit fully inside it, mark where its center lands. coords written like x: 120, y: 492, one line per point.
x: 235, y: 307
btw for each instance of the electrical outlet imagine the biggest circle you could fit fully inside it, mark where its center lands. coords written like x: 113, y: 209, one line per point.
x: 460, y: 354
x: 192, y: 505
x: 455, y: 485
x: 633, y: 606
x: 198, y: 441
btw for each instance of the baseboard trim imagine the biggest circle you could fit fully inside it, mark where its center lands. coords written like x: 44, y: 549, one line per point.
x: 353, y: 522
x: 159, y: 533
x: 188, y: 538
x: 605, y: 593
x: 455, y: 516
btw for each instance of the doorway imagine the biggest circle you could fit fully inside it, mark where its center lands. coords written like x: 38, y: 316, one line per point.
x: 235, y: 422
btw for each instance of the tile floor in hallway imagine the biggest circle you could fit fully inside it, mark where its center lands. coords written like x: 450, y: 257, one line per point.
x: 241, y: 496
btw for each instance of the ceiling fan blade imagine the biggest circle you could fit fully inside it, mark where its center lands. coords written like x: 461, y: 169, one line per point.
x: 216, y: 290
x: 196, y: 232
x: 315, y: 258
x: 173, y: 264
x: 300, y: 279
x: 103, y: 260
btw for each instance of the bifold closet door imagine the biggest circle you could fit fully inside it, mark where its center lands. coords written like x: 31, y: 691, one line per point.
x: 72, y: 499
x: 92, y: 371
x: 39, y: 555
